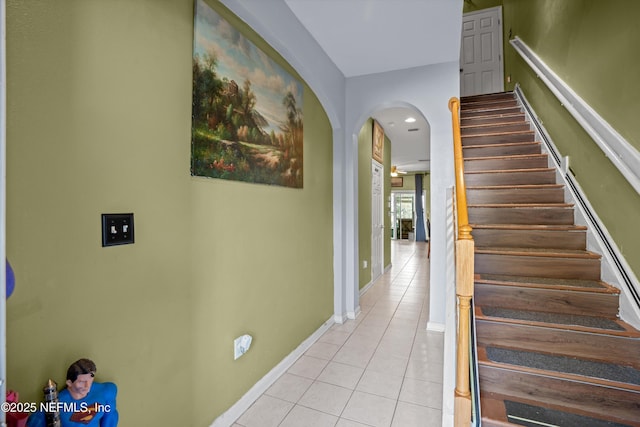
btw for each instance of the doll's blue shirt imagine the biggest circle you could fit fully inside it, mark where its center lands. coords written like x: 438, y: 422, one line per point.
x: 96, y: 409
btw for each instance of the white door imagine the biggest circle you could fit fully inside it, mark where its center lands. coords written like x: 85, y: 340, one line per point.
x: 377, y: 221
x: 481, y: 68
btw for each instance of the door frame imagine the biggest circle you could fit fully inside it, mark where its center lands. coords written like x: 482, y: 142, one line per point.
x: 377, y: 230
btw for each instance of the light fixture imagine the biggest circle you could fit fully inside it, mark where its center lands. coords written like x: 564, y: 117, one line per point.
x: 395, y: 171
x: 409, y: 120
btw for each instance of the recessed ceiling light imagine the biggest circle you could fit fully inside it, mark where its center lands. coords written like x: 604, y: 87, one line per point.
x: 409, y: 120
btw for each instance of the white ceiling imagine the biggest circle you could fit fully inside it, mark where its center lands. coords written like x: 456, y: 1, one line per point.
x: 374, y: 36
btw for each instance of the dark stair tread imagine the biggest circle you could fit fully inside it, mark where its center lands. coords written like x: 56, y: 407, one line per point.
x: 512, y: 114
x: 501, y: 144
x: 490, y: 106
x: 493, y: 128
x: 508, y: 157
x: 513, y: 186
x: 535, y: 416
x: 511, y: 170
x: 515, y: 132
x: 613, y: 373
x: 484, y: 96
x: 541, y: 252
x: 596, y: 399
x: 489, y: 102
x: 522, y: 205
x: 597, y: 286
x: 557, y: 320
x: 492, y: 125
x: 505, y: 117
x: 537, y: 227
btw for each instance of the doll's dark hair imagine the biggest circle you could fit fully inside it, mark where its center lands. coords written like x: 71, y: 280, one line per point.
x: 80, y: 367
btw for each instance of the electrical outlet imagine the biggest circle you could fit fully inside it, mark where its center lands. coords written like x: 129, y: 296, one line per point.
x: 365, y: 264
x: 241, y: 345
x: 117, y: 229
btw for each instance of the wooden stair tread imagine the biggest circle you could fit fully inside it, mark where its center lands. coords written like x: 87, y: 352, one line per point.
x: 551, y: 252
x: 496, y: 116
x: 495, y: 95
x: 522, y: 205
x: 490, y: 125
x: 597, y: 347
x: 516, y: 132
x: 521, y: 412
x: 498, y: 410
x: 494, y: 102
x: 511, y: 170
x: 560, y: 321
x: 513, y: 186
x: 501, y: 144
x: 570, y: 368
x: 493, y: 410
x: 487, y: 107
x: 550, y: 227
x: 574, y: 396
x: 597, y: 286
x: 508, y: 157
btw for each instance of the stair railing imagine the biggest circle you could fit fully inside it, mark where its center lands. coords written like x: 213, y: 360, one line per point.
x: 464, y: 248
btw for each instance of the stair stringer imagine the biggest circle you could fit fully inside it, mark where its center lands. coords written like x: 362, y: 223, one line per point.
x: 614, y: 268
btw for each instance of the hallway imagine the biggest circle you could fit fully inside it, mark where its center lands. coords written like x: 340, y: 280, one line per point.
x: 382, y: 369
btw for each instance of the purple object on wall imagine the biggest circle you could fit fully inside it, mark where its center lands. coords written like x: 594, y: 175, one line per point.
x: 11, y: 279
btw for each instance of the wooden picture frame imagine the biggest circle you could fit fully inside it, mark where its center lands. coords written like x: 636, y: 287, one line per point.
x: 246, y: 111
x: 378, y: 142
x: 397, y: 181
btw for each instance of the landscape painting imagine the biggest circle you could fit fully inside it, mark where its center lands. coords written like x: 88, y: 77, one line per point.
x: 247, y: 117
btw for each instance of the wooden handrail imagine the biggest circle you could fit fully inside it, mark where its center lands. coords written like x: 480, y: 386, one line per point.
x: 464, y: 230
x: 464, y: 279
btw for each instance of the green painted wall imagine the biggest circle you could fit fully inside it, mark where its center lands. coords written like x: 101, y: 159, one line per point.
x: 474, y: 5
x: 99, y: 116
x: 591, y: 45
x: 365, y: 138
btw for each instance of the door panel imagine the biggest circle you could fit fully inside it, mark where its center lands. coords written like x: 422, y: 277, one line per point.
x: 481, y: 53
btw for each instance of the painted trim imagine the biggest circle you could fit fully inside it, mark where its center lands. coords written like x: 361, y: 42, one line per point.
x: 622, y: 154
x: 620, y: 270
x: 232, y: 414
x: 435, y: 327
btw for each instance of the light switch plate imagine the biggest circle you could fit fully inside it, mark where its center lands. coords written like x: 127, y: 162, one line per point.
x: 117, y: 229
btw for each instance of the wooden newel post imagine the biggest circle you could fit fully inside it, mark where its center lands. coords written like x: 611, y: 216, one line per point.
x: 464, y: 291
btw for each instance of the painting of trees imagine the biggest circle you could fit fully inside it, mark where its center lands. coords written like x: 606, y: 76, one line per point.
x: 247, y: 121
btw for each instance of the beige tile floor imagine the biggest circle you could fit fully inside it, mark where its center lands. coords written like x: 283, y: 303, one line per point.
x: 383, y: 369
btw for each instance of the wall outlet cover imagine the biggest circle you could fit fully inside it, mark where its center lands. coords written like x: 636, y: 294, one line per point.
x: 241, y: 345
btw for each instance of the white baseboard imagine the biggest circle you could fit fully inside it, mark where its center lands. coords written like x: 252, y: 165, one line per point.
x: 340, y: 318
x: 435, y: 327
x: 366, y: 287
x: 232, y: 414
x: 353, y: 314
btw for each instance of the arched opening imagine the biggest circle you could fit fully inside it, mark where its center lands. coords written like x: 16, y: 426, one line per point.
x: 407, y: 136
